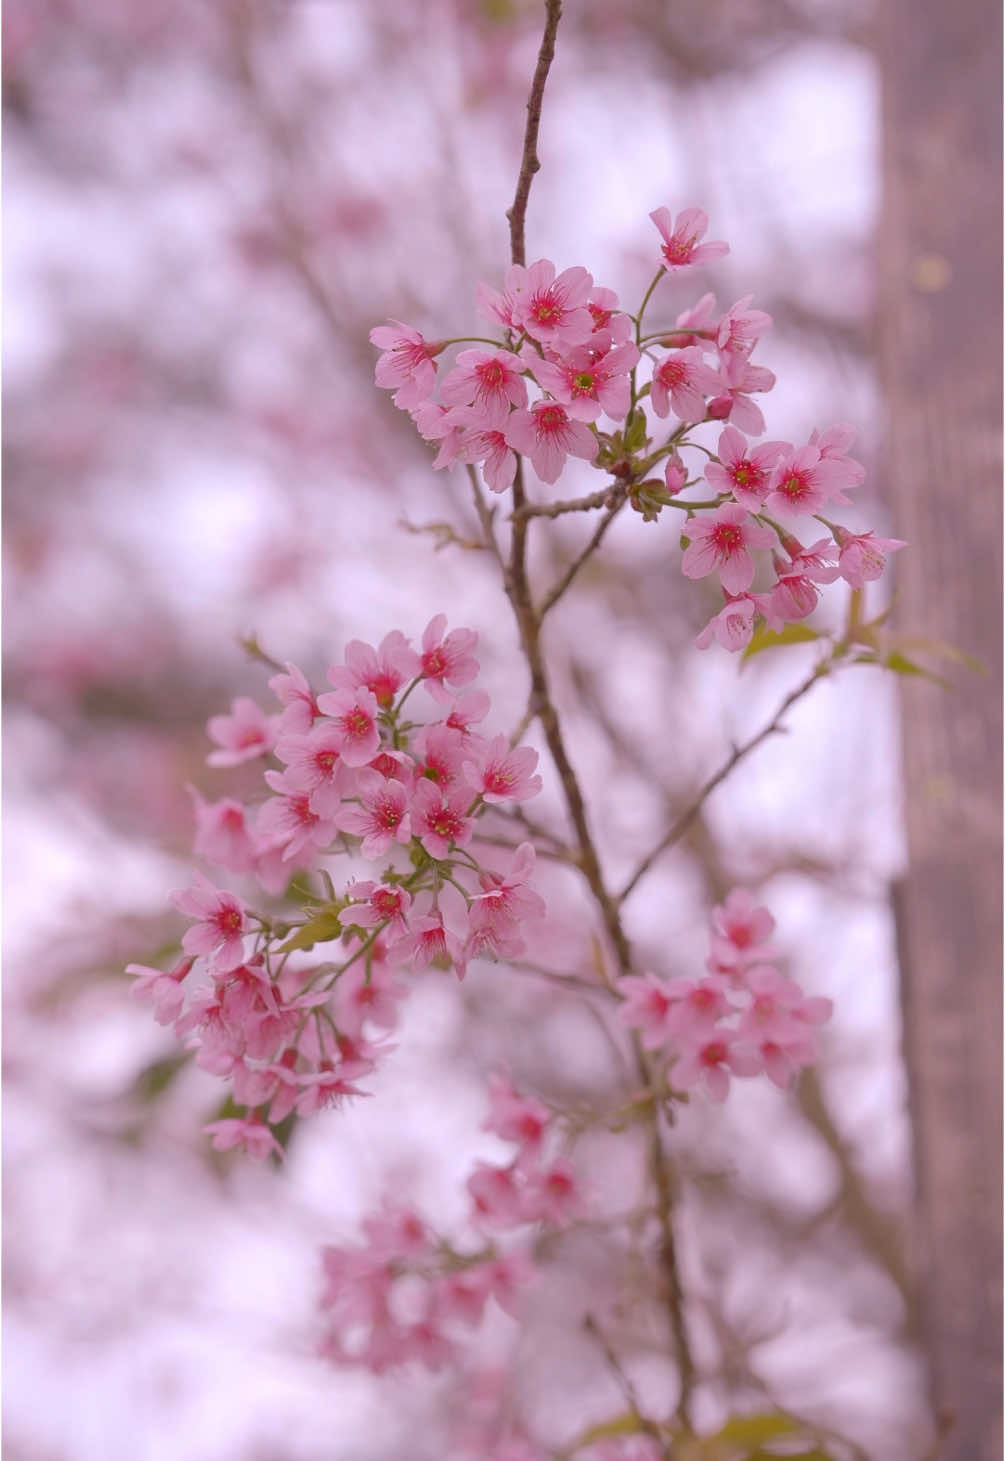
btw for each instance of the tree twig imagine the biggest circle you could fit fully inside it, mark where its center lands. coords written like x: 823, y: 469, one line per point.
x: 686, y: 817
x: 530, y: 162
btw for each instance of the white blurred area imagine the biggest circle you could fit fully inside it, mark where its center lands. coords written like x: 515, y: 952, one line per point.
x: 196, y: 453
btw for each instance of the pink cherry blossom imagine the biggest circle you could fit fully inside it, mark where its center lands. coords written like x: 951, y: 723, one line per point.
x: 740, y: 328
x: 362, y: 995
x: 647, y: 1004
x: 354, y: 714
x: 804, y: 481
x: 406, y: 363
x: 440, y: 821
x: 381, y: 817
x: 162, y: 987
x: 680, y: 241
x: 863, y: 556
x: 741, y: 379
x: 683, y: 380
x: 485, y: 443
x: 551, y: 309
x: 499, y: 774
x: 219, y: 932
x: 516, y: 1118
x: 548, y: 434
x: 290, y: 820
x: 589, y: 379
x: 708, y: 1059
x: 744, y: 472
x: 245, y: 733
x: 733, y: 626
x: 488, y: 379
x: 253, y: 1137
x: 603, y: 307
x: 316, y: 766
x: 722, y: 541
x: 447, y: 659
x: 294, y: 693
x: 222, y: 834
x: 382, y: 671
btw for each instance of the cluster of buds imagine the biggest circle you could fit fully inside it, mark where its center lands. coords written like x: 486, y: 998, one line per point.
x: 408, y: 1294
x: 291, y: 1028
x: 743, y: 1018
x: 565, y: 338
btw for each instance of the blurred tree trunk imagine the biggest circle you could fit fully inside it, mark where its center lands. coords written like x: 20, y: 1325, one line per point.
x: 940, y: 310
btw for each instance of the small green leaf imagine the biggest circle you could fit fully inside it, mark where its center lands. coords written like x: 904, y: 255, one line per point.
x: 320, y: 929
x: 764, y: 638
x: 901, y: 665
x: 154, y: 1079
x: 637, y: 434
x: 753, y: 1430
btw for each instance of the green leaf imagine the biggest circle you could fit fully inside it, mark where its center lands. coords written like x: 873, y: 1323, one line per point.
x: 154, y: 1079
x: 940, y: 648
x: 320, y: 929
x: 637, y: 434
x: 901, y: 665
x: 752, y: 1430
x: 764, y: 638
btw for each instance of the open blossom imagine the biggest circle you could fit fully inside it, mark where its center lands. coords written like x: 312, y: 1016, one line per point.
x: 490, y: 380
x: 682, y: 381
x: 741, y: 378
x: 733, y: 626
x: 406, y: 363
x: 315, y: 766
x: 680, y: 240
x: 222, y: 834
x: 289, y: 820
x: 245, y: 733
x: 447, y: 659
x: 741, y: 929
x: 252, y: 1136
x: 548, y: 434
x: 647, y: 1003
x: 863, y: 556
x: 483, y: 442
x: 300, y: 709
x: 354, y: 715
x: 804, y: 481
x: 219, y: 932
x: 746, y: 473
x: 590, y: 378
x: 382, y: 815
x: 710, y: 1058
x: 722, y: 540
x: 499, y: 774
x: 382, y: 671
x: 362, y: 995
x: 603, y: 307
x: 162, y: 987
x: 551, y: 308
x: 740, y: 328
x: 440, y: 821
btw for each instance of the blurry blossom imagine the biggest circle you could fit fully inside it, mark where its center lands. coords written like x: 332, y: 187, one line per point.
x: 208, y: 208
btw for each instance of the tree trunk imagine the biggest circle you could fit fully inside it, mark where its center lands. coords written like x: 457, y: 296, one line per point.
x: 940, y: 353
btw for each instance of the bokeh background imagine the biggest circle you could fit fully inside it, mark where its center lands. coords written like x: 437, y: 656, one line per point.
x: 208, y: 207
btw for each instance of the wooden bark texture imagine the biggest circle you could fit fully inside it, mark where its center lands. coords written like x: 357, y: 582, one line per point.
x: 940, y: 360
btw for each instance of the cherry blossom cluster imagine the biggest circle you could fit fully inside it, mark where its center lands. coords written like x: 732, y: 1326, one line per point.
x: 293, y: 1009
x: 407, y: 1294
x: 565, y: 338
x: 742, y: 1018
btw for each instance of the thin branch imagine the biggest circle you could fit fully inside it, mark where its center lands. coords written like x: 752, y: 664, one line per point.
x: 570, y: 504
x: 686, y: 817
x: 530, y: 162
x: 553, y: 595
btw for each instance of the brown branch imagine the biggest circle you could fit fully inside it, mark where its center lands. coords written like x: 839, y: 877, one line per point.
x: 530, y: 162
x: 603, y: 498
x: 553, y: 595
x: 739, y: 752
